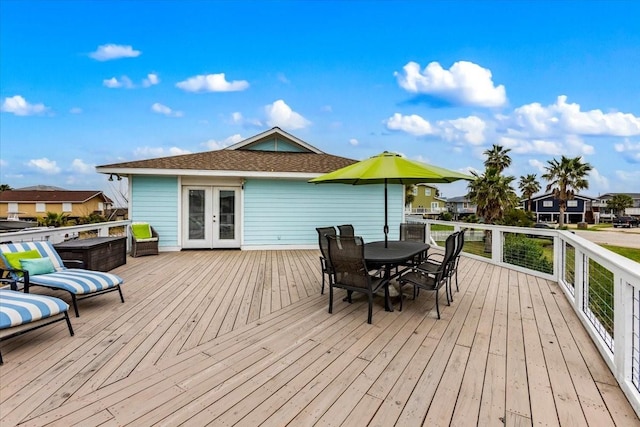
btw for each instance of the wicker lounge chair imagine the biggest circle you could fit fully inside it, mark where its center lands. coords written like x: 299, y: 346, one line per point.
x: 144, y: 240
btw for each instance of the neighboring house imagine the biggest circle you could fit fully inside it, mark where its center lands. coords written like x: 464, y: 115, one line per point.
x: 252, y: 195
x: 603, y: 213
x: 426, y: 201
x: 547, y: 208
x: 34, y: 203
x: 460, y: 207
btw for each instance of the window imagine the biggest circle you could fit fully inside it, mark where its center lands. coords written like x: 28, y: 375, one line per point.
x: 41, y: 207
x: 572, y: 203
x: 547, y: 203
x: 427, y: 191
x: 12, y: 207
x: 101, y: 206
x: 434, y: 206
x: 414, y: 191
x: 67, y: 207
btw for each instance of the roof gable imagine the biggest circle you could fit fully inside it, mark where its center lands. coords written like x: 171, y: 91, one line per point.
x: 51, y: 196
x: 275, y: 140
x: 550, y: 196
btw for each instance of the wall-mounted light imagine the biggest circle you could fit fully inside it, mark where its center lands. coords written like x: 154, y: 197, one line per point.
x: 111, y: 177
x: 117, y: 176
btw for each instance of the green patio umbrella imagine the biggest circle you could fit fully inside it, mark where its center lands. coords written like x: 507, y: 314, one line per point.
x: 389, y: 168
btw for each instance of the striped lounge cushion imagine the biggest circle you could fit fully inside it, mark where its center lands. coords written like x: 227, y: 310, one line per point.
x: 77, y: 281
x: 17, y: 308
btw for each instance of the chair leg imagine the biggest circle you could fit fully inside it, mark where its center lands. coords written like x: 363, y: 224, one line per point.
x: 75, y: 305
x: 330, y: 298
x: 370, y: 308
x: 437, y: 305
x: 66, y: 317
x: 322, y: 291
x: 120, y: 292
x: 456, y: 273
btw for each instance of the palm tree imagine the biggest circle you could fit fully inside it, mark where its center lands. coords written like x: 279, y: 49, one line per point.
x: 529, y: 186
x: 565, y: 178
x: 498, y: 158
x: 493, y: 195
x: 5, y: 187
x: 619, y: 202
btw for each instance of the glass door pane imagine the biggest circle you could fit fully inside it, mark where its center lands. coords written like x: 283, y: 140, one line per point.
x: 227, y: 229
x: 196, y: 227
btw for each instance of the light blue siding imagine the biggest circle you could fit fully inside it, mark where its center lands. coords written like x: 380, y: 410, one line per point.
x: 154, y: 199
x: 287, y: 212
x: 274, y: 144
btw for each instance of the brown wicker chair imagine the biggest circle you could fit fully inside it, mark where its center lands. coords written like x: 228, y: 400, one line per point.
x: 325, y: 262
x: 141, y: 247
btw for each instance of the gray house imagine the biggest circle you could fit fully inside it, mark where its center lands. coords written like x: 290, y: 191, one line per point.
x: 547, y: 208
x: 461, y: 206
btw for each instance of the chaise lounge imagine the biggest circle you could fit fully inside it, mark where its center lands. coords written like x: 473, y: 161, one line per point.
x: 38, y: 264
x: 23, y: 312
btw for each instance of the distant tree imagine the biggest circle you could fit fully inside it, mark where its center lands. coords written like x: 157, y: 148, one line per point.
x: 54, y: 219
x: 529, y: 186
x: 409, y: 197
x: 565, y: 178
x: 619, y: 202
x: 5, y: 187
x: 497, y: 158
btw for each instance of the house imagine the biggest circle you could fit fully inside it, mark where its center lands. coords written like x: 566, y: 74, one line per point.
x: 252, y: 195
x: 603, y: 213
x: 35, y: 202
x: 426, y: 201
x: 461, y: 206
x: 547, y: 208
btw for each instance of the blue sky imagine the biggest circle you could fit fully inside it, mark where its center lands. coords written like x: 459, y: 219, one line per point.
x: 97, y: 82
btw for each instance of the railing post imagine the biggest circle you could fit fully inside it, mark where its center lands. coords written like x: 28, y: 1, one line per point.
x: 579, y: 275
x: 622, y: 328
x: 497, y: 239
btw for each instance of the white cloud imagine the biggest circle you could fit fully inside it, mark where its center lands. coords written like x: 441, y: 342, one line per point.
x: 629, y: 150
x: 107, y: 52
x: 151, y: 80
x: 282, y: 78
x: 632, y: 177
x: 81, y: 167
x: 20, y: 107
x: 353, y: 142
x: 45, y: 165
x: 468, y: 129
x: 213, y: 144
x: 163, y: 109
x: 4, y: 163
x: 540, y: 166
x: 212, y: 83
x: 76, y: 110
x: 413, y: 124
x: 465, y: 83
x: 114, y: 83
x: 562, y: 118
x: 326, y: 109
x: 281, y: 115
x: 599, y: 181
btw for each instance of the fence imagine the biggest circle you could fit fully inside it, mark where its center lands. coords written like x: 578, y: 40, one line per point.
x: 602, y: 287
x: 61, y: 234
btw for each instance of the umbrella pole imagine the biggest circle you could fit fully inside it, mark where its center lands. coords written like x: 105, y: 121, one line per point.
x: 386, y: 226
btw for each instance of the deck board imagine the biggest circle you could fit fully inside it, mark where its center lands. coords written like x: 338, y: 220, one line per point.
x: 234, y: 337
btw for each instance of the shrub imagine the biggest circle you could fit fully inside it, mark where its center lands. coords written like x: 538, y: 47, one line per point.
x: 445, y: 216
x: 525, y: 252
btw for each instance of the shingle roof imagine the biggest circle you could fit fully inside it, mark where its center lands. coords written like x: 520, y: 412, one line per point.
x: 242, y: 160
x: 65, y: 196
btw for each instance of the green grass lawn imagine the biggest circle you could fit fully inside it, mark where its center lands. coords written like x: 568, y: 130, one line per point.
x: 631, y: 253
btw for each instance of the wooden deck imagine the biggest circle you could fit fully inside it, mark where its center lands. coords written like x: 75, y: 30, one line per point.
x: 244, y: 338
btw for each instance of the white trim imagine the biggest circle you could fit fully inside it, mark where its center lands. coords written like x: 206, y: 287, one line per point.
x: 208, y: 173
x: 278, y: 247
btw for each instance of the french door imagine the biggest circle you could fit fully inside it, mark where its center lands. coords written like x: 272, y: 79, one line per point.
x: 211, y: 217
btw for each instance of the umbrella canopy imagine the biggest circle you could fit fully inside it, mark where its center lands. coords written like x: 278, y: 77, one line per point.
x: 389, y: 168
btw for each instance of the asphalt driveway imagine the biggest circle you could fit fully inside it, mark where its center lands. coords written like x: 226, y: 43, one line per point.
x: 627, y: 237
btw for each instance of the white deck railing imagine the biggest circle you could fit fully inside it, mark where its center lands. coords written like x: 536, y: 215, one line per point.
x: 602, y: 287
x: 61, y: 234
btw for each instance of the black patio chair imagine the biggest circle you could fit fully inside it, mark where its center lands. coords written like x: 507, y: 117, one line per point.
x: 414, y: 233
x: 325, y: 263
x: 431, y: 276
x: 350, y: 270
x: 346, y: 230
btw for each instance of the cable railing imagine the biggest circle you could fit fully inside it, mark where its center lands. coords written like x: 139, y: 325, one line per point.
x: 602, y: 287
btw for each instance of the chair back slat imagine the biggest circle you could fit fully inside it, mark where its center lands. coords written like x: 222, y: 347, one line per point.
x: 346, y: 230
x: 322, y: 239
x: 413, y: 232
x: 347, y: 259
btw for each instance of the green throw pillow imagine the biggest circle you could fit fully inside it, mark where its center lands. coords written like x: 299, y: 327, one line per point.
x: 13, y: 258
x: 38, y: 266
x: 141, y: 231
